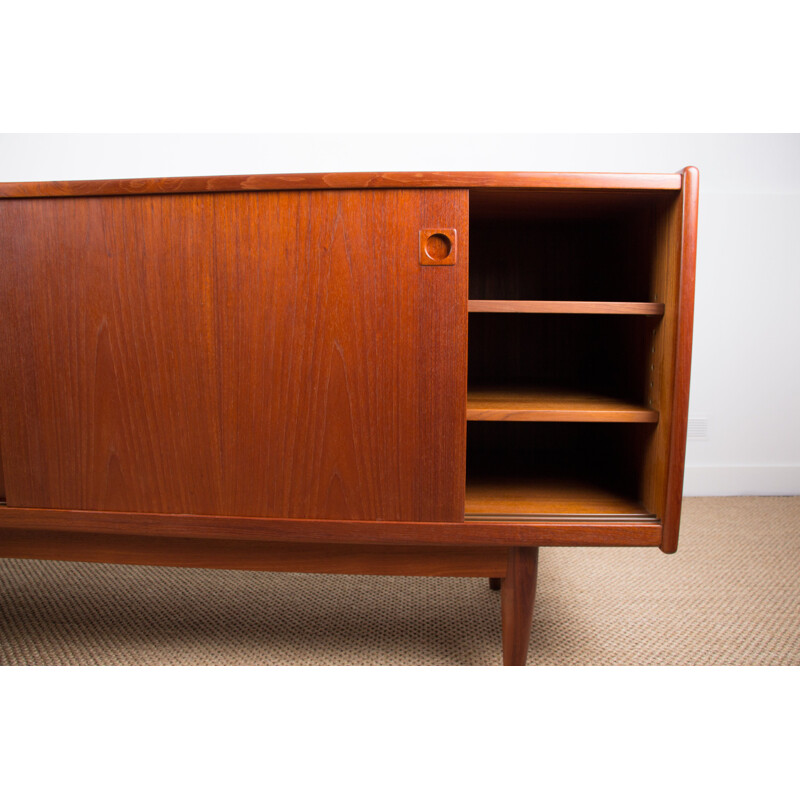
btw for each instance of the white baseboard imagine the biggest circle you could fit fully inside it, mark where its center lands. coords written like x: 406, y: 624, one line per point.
x: 762, y: 479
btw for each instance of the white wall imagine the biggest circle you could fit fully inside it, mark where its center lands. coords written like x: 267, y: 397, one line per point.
x: 746, y: 368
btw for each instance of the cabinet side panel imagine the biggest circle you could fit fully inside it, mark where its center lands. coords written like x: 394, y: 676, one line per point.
x: 251, y: 354
x: 666, y: 267
x: 683, y: 362
x: 670, y: 358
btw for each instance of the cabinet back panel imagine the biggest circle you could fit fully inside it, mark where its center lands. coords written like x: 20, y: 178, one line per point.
x: 278, y: 354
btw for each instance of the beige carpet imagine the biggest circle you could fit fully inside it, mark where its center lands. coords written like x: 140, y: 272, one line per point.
x: 731, y: 595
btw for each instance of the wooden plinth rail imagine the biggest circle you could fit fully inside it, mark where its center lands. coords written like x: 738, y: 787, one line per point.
x: 333, y: 559
x: 574, y: 532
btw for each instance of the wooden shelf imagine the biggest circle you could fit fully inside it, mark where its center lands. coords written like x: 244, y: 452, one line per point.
x: 502, y: 496
x: 512, y: 404
x: 564, y: 307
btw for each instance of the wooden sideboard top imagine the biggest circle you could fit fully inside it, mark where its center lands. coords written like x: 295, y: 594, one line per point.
x: 350, y: 180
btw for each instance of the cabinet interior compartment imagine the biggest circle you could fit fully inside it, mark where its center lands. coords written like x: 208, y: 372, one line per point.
x: 588, y: 361
x: 572, y: 318
x: 565, y: 245
x: 524, y: 469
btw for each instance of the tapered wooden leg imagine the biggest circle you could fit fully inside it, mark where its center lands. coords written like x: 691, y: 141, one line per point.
x: 516, y: 597
x: 495, y: 584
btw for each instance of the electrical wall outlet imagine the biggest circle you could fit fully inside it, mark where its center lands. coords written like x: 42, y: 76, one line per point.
x: 697, y: 429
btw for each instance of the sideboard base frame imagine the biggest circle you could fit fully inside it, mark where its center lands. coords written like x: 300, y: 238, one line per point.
x: 513, y: 567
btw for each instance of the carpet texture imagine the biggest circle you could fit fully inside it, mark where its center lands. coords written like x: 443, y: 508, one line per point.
x: 731, y: 595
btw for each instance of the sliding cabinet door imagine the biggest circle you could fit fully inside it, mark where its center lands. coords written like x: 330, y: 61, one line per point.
x: 276, y: 354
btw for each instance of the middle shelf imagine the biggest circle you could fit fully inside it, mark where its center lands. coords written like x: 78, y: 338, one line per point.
x: 535, y: 404
x: 564, y: 307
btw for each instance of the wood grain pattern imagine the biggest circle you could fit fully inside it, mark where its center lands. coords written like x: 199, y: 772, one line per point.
x: 340, y: 559
x: 277, y: 354
x: 346, y: 180
x: 494, y: 534
x: 682, y: 361
x: 517, y: 594
x: 564, y: 307
x: 534, y: 404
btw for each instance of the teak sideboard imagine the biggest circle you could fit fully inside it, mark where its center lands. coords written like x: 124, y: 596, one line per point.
x: 389, y: 373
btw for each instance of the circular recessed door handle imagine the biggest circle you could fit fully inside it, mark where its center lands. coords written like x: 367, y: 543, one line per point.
x: 437, y: 246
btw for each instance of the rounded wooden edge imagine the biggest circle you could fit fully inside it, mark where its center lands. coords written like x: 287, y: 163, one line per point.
x: 346, y: 180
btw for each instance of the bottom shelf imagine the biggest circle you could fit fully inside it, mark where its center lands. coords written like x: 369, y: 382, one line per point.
x: 520, y: 470
x: 503, y: 497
